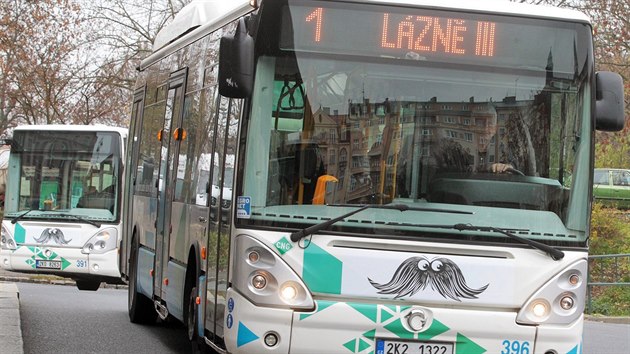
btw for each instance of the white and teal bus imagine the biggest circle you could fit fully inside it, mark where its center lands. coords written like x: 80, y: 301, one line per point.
x: 63, y: 203
x: 409, y: 176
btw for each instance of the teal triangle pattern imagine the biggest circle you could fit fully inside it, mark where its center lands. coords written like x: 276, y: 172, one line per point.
x: 321, y: 306
x: 357, y: 345
x: 399, y: 330
x: 370, y: 334
x: 367, y: 310
x: 363, y: 345
x: 244, y: 335
x: 19, y: 235
x: 435, y: 330
x: 467, y: 346
x: 386, y: 315
x: 351, y: 345
x: 64, y: 263
x: 575, y: 350
x: 321, y: 270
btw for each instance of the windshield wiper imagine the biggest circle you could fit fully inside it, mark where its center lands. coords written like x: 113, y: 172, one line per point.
x: 555, y: 253
x: 91, y: 222
x: 19, y: 217
x: 298, y: 235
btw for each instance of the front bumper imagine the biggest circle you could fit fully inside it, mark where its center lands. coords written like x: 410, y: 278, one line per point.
x: 73, y: 263
x: 344, y: 327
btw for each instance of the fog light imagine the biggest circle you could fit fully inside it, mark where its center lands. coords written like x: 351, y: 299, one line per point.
x: 288, y: 292
x: 6, y: 262
x: 95, y: 267
x: 574, y: 279
x: 271, y: 339
x: 47, y: 253
x: 540, y: 309
x: 567, y: 302
x: 253, y: 256
x: 259, y: 281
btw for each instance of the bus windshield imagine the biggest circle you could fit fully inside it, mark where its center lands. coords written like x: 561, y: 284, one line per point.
x: 485, y: 115
x: 68, y: 175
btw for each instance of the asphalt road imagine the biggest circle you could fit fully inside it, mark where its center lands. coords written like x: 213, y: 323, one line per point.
x: 62, y: 319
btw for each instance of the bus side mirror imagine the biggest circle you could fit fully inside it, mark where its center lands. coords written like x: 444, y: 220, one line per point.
x: 609, y: 105
x: 236, y: 63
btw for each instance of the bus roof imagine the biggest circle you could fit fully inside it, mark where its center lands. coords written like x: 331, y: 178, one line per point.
x: 81, y: 127
x: 501, y: 7
x: 200, y: 17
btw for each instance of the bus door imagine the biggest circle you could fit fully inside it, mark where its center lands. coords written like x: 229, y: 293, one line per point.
x: 221, y: 220
x: 167, y: 171
x: 130, y: 175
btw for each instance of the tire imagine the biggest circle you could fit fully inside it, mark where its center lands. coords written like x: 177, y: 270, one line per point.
x: 191, y: 317
x: 88, y: 285
x: 140, y: 308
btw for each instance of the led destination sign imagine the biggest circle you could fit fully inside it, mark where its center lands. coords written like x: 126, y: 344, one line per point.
x: 423, y: 33
x: 427, y: 34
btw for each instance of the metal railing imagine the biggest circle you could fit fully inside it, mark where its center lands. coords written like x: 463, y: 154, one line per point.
x: 607, y: 270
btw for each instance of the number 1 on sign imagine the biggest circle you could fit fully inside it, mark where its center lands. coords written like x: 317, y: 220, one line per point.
x: 316, y: 16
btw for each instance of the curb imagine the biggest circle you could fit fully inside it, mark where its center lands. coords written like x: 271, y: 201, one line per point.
x: 607, y: 319
x: 10, y: 326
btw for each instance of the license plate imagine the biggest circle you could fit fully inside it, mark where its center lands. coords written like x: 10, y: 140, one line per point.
x: 41, y: 264
x: 404, y: 347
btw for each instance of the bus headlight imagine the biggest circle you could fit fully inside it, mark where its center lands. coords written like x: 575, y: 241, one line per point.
x: 6, y: 240
x: 104, y: 241
x: 267, y: 280
x: 560, y: 300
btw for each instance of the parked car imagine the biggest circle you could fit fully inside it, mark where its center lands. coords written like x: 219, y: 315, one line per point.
x: 611, y: 187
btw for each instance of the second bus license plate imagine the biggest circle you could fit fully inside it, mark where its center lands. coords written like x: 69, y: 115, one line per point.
x: 41, y: 264
x: 403, y: 347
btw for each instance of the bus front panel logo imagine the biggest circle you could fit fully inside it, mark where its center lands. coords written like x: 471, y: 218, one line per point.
x: 415, y: 273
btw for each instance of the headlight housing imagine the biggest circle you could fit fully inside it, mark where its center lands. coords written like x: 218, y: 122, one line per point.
x: 560, y: 301
x: 267, y: 280
x: 104, y: 241
x: 6, y: 240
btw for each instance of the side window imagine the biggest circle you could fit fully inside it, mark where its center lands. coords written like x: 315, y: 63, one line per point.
x: 600, y: 177
x: 187, y: 147
x: 620, y: 178
x: 149, y: 148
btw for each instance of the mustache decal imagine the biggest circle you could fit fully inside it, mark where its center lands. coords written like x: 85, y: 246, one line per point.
x: 54, y: 234
x: 416, y: 273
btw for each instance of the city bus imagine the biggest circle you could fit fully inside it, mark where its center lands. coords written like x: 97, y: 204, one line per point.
x: 63, y: 203
x: 409, y: 176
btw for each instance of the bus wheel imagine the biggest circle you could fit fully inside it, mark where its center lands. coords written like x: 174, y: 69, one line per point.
x: 89, y: 285
x: 197, y: 344
x: 191, y: 321
x: 140, y: 307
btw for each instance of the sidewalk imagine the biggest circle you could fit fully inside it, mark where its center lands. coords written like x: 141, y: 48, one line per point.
x: 10, y: 326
